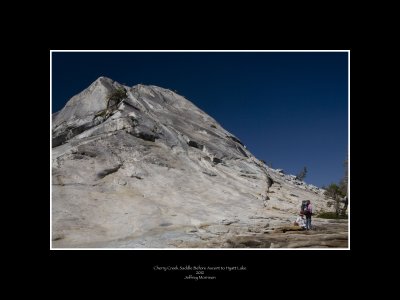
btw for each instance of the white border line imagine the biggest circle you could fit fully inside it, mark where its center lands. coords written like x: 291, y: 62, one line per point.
x: 348, y: 149
x: 239, y: 249
x: 200, y: 51
x: 51, y: 151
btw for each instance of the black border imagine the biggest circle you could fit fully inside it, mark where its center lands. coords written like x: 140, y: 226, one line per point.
x: 262, y: 265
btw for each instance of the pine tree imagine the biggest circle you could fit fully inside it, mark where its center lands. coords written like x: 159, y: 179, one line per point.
x: 344, y: 185
x: 334, y: 191
x: 302, y: 174
x: 345, y: 179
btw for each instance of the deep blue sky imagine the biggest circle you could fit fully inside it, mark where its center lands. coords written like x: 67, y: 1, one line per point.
x: 288, y: 108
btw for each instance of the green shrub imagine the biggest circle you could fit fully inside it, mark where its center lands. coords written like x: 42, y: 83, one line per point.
x: 116, y: 96
x: 113, y: 99
x: 331, y: 215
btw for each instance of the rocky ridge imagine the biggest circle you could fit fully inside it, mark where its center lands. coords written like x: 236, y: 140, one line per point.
x: 156, y: 171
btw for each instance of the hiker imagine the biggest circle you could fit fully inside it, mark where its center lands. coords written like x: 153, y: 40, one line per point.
x: 300, y: 221
x: 308, y: 213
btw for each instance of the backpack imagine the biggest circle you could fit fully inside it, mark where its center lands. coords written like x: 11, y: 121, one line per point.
x: 303, y: 208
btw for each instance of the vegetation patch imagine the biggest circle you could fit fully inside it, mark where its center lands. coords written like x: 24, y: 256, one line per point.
x: 113, y: 99
x: 331, y: 215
